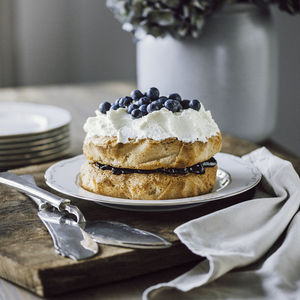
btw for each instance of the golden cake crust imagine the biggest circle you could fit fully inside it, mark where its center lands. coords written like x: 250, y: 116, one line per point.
x: 149, y: 154
x: 154, y: 186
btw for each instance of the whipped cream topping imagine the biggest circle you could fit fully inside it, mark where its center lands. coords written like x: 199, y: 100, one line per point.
x: 187, y: 125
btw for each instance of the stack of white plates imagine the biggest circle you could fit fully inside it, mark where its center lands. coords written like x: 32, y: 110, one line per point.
x: 32, y: 133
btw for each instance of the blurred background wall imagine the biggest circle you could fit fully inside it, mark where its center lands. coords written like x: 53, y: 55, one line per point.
x: 70, y: 41
x: 74, y: 41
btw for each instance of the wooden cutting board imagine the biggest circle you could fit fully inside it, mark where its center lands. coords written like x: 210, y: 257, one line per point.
x: 27, y: 256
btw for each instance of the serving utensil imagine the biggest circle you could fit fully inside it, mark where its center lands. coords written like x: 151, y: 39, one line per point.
x: 68, y: 238
x: 104, y: 232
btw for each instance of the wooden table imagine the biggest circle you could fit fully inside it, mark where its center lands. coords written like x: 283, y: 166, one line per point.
x: 81, y: 101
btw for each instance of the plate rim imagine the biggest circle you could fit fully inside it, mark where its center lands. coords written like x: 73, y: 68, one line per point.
x: 32, y: 149
x: 27, y: 155
x: 113, y: 201
x: 53, y: 133
x: 37, y: 160
x: 39, y: 142
x: 67, y: 116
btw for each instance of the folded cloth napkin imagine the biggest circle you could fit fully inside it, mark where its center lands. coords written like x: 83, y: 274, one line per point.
x: 252, y: 249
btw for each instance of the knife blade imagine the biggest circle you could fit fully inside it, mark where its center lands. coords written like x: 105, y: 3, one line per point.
x: 122, y: 235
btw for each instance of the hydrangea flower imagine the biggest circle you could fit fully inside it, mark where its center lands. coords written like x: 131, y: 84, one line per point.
x: 178, y: 18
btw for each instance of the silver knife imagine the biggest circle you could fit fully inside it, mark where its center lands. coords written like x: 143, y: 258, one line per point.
x: 104, y: 232
x: 68, y: 238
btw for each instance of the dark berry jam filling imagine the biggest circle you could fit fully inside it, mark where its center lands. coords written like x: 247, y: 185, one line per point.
x: 196, y: 169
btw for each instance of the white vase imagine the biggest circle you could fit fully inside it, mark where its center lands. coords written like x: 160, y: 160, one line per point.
x: 231, y: 68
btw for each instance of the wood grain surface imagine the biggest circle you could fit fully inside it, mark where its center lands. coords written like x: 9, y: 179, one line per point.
x: 27, y: 256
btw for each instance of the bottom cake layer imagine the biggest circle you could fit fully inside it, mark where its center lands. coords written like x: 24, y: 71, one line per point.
x: 153, y: 186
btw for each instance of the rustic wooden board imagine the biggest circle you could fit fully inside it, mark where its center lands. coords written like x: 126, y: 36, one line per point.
x: 27, y: 256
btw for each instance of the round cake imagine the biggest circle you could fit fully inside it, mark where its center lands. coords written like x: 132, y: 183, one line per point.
x: 150, y: 147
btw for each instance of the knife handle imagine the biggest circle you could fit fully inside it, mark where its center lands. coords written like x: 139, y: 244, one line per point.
x: 23, y: 185
x: 27, y: 185
x: 40, y: 203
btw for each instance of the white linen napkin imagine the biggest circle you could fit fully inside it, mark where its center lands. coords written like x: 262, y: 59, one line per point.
x: 259, y: 239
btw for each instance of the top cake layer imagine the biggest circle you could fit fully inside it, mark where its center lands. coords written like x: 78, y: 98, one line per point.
x: 188, y: 125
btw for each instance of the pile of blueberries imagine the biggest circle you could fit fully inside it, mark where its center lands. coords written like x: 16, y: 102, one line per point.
x: 139, y: 104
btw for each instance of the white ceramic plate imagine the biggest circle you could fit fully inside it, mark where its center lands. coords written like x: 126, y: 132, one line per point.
x: 44, y: 144
x: 22, y: 118
x: 234, y: 176
x: 27, y: 155
x: 38, y: 138
x: 27, y: 146
x: 36, y: 160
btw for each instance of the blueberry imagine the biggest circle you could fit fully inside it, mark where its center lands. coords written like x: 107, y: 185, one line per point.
x: 175, y: 96
x: 144, y: 100
x: 116, y: 171
x: 104, y: 167
x: 143, y: 109
x: 180, y: 171
x: 158, y: 103
x: 162, y: 100
x: 195, y: 104
x: 153, y: 107
x: 172, y: 105
x: 104, y: 107
x: 153, y: 93
x: 185, y: 104
x: 121, y: 103
x: 117, y: 101
x: 179, y: 106
x: 125, y: 101
x: 190, y: 169
x: 114, y: 106
x: 136, y: 94
x: 136, y: 113
x: 131, y: 107
x: 198, y: 169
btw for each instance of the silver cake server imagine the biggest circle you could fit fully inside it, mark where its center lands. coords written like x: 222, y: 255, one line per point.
x: 122, y: 235
x: 68, y: 238
x: 104, y: 232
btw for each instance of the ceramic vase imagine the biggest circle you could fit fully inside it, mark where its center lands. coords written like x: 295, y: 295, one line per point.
x: 232, y: 68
